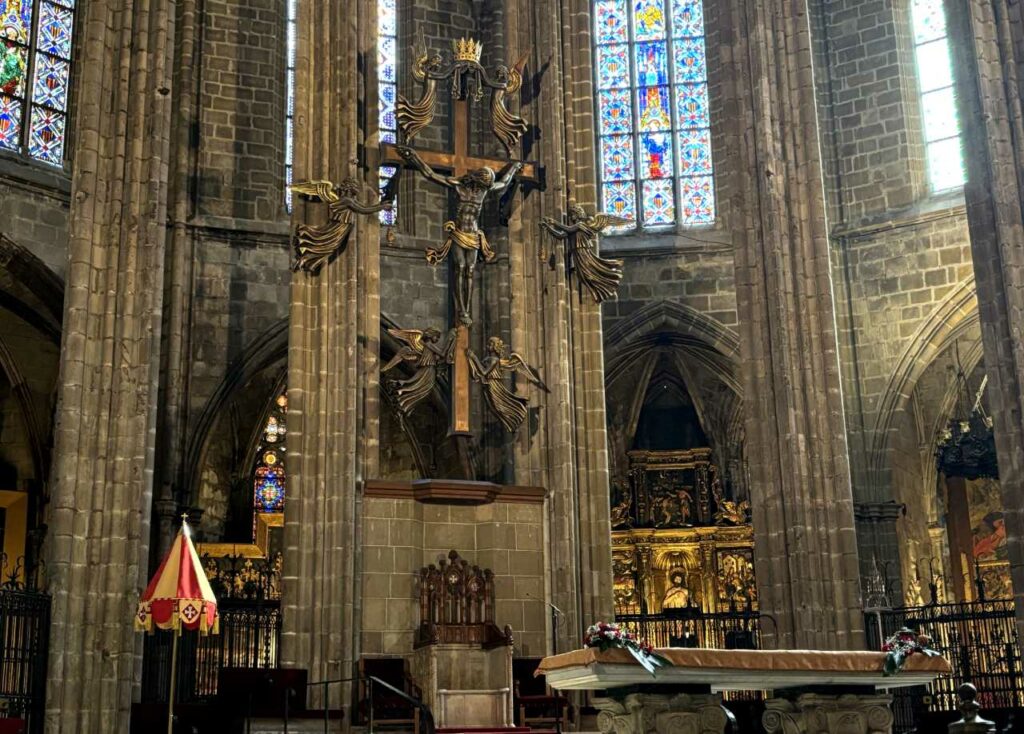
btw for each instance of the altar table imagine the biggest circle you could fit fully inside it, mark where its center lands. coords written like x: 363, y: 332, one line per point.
x: 824, y: 692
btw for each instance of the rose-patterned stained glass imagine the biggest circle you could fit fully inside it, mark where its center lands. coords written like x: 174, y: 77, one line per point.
x: 51, y: 84
x: 387, y: 64
x: 612, y: 67
x: 659, y: 202
x: 270, y: 489
x: 35, y: 34
x: 620, y: 200
x: 55, y: 26
x: 617, y: 158
x: 10, y: 122
x: 610, y: 21
x: 692, y: 105
x: 649, y: 21
x: 46, y: 135
x: 697, y: 200
x: 291, y: 41
x: 941, y: 126
x: 687, y: 18
x: 616, y: 112
x: 653, y: 112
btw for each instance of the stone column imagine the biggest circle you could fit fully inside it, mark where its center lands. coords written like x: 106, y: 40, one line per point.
x: 658, y: 713
x: 823, y: 714
x: 99, y: 514
x: 988, y: 42
x: 562, y: 332
x: 332, y: 353
x: 805, y: 541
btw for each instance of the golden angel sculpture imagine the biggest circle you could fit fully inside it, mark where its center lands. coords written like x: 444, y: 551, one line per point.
x: 424, y: 350
x: 315, y: 246
x: 599, y: 275
x: 490, y: 372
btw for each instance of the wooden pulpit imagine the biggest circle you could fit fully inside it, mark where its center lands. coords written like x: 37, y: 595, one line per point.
x: 462, y: 661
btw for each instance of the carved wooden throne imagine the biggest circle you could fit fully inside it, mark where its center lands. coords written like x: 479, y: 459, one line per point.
x: 462, y: 660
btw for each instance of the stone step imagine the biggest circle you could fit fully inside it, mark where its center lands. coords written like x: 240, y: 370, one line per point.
x: 295, y: 726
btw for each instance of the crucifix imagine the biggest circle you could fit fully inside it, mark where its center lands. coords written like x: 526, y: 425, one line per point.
x: 471, y: 178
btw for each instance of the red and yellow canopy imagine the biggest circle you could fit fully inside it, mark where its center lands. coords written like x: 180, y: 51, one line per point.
x: 179, y: 595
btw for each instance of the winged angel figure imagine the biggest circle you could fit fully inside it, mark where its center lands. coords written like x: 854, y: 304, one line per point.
x: 423, y: 350
x: 490, y: 373
x: 599, y: 275
x: 315, y: 246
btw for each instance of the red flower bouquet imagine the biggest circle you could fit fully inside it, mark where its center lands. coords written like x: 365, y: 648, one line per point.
x: 902, y: 645
x: 608, y: 636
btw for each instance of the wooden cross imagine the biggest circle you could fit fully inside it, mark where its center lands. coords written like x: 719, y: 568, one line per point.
x: 459, y: 161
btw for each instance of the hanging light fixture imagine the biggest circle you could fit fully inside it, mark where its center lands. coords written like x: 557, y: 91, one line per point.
x: 967, y: 446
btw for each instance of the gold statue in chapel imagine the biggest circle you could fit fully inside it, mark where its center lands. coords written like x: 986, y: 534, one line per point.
x: 424, y: 350
x: 490, y: 373
x: 599, y: 275
x: 464, y: 233
x: 315, y: 246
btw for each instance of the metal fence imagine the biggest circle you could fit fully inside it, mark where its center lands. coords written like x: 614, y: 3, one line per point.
x: 250, y: 637
x: 24, y: 646
x: 731, y: 630
x: 980, y: 641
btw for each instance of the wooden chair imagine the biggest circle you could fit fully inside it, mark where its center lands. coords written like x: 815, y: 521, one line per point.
x: 535, y: 704
x: 388, y: 708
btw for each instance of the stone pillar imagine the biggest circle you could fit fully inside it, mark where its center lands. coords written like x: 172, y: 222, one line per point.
x: 332, y: 353
x: 811, y: 712
x: 561, y: 331
x: 657, y: 713
x: 805, y: 540
x: 988, y: 43
x: 99, y: 513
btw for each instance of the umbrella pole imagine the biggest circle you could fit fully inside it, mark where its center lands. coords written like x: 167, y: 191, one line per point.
x: 174, y: 677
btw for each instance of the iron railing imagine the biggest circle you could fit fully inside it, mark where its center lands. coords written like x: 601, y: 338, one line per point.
x: 729, y: 630
x: 24, y: 646
x: 250, y: 637
x: 980, y: 641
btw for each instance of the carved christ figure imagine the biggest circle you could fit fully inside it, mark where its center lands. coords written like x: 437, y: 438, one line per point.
x: 465, y: 237
x: 599, y: 275
x: 315, y: 246
x: 422, y: 349
x: 490, y: 373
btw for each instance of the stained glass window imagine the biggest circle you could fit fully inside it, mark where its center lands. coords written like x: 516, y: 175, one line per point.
x: 653, y: 118
x: 938, y: 104
x: 387, y: 78
x: 269, y: 478
x: 289, y: 115
x: 35, y: 72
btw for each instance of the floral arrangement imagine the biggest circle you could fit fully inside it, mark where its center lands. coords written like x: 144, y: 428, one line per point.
x: 608, y: 636
x: 902, y: 645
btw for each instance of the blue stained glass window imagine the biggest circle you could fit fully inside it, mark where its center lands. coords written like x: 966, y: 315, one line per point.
x: 269, y: 477
x: 35, y: 43
x: 387, y: 64
x: 938, y: 102
x: 291, y: 29
x: 653, y: 112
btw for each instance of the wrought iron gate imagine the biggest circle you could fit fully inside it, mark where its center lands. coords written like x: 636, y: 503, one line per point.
x: 980, y: 641
x: 24, y: 646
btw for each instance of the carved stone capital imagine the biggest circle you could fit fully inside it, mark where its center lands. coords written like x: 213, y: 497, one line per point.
x: 817, y: 714
x: 683, y: 713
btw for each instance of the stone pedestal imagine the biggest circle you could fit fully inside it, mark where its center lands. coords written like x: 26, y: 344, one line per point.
x: 821, y: 714
x: 465, y: 685
x: 656, y: 713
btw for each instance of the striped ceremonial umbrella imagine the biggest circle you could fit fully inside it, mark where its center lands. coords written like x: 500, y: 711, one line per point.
x: 178, y: 595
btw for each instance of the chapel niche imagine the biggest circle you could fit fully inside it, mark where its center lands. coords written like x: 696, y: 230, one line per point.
x: 682, y: 540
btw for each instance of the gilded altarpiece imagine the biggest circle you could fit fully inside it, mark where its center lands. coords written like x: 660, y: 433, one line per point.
x: 680, y: 544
